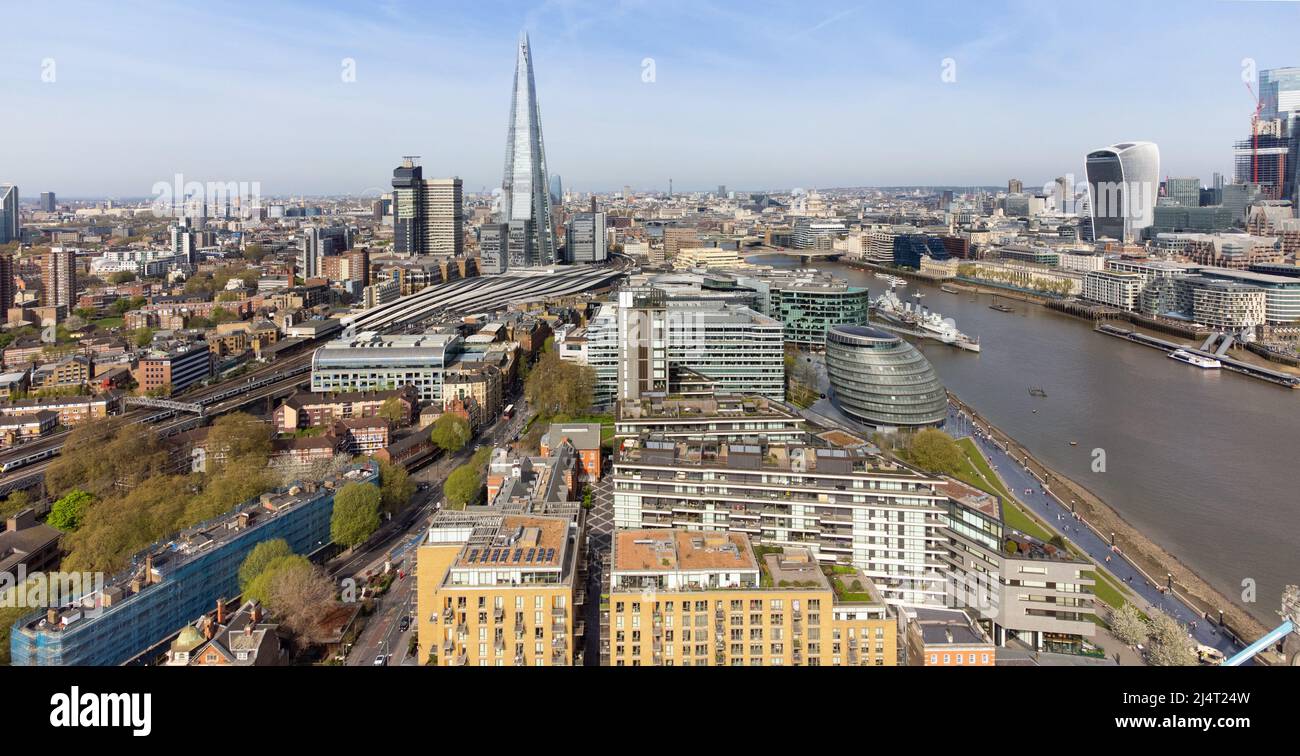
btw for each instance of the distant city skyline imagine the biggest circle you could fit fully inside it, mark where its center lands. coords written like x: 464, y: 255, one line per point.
x: 322, y: 98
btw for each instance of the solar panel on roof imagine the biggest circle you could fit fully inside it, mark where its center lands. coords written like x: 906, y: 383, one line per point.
x: 530, y: 555
x: 518, y: 553
x: 550, y: 554
x: 473, y: 554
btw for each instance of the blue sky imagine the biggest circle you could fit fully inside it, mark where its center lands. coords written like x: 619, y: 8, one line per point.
x: 748, y: 94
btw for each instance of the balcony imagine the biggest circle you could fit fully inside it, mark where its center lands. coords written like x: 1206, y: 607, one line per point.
x: 460, y: 660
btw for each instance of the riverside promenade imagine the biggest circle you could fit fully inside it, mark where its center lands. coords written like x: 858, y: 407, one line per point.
x: 1029, y: 489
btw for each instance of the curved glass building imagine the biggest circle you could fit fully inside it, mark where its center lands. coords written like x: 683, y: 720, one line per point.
x: 880, y: 379
x: 1123, y: 182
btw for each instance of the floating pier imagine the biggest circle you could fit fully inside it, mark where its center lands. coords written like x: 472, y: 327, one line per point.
x: 1236, y: 366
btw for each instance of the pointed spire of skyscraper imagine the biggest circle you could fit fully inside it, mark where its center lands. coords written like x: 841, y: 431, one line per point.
x: 525, y: 196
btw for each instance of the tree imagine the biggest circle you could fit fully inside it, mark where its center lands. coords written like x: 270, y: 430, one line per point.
x: 239, y: 437
x: 395, y: 487
x: 121, y: 277
x: 394, y: 411
x: 259, y: 586
x: 67, y: 512
x: 257, y: 560
x: 558, y: 387
x: 99, y: 456
x: 356, y: 514
x: 935, y: 451
x: 14, y: 503
x: 450, y: 432
x: 300, y: 595
x: 465, y: 483
x: 142, y: 337
x: 1126, y: 624
x: 1171, y: 646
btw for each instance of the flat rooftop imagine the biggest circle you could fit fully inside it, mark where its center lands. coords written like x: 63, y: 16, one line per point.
x: 661, y: 550
x: 520, y: 541
x: 688, y: 408
x: 776, y: 457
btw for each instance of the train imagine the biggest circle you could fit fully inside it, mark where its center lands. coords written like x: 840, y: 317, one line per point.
x: 23, y: 461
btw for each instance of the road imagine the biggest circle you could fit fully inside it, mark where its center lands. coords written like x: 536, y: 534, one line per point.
x: 396, y: 541
x: 1030, y: 491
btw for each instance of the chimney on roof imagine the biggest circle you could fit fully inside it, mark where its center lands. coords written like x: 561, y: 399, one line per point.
x: 221, y: 611
x: 254, y: 615
x: 947, y: 634
x: 207, y: 627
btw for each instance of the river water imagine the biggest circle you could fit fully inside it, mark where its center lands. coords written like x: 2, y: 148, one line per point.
x: 1206, y: 463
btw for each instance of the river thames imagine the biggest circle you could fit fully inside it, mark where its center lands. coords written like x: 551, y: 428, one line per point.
x: 1206, y: 463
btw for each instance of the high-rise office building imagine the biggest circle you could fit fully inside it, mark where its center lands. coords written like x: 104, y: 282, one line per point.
x: 428, y: 214
x: 408, y: 208
x: 1279, y: 93
x: 585, y: 239
x: 525, y: 190
x: 1015, y: 186
x: 1185, y: 191
x: 493, y: 240
x: 59, y: 278
x: 9, y: 227
x: 1123, y: 181
x: 444, y: 217
x: 48, y: 204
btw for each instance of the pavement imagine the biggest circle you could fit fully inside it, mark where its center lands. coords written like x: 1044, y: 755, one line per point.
x: 600, y: 529
x: 1051, y: 509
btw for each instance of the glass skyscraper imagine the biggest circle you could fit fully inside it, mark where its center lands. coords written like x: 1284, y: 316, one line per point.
x: 1123, y: 181
x: 525, y: 195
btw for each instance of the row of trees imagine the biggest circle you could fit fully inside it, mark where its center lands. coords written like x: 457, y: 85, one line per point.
x: 1166, y: 640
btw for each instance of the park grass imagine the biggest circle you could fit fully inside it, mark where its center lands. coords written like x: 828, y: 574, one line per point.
x: 975, y: 471
x: 108, y: 322
x: 1106, y: 588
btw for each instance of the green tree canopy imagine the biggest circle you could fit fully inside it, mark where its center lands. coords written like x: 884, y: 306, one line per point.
x: 240, y: 438
x: 465, y: 483
x: 393, y: 411
x: 259, y: 558
x: 450, y: 432
x: 67, y: 512
x: 395, y: 486
x: 259, y: 587
x: 557, y: 387
x: 356, y: 514
x: 935, y: 451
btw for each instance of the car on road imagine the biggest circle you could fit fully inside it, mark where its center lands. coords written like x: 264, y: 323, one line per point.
x: 381, y: 660
x: 404, y: 625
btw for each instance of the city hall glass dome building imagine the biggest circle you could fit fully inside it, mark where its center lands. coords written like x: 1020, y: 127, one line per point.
x: 881, y: 380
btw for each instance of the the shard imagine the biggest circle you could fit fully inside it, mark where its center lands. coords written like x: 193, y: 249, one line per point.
x: 525, y: 196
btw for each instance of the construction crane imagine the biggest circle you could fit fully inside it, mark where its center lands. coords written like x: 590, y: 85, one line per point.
x: 1254, y: 135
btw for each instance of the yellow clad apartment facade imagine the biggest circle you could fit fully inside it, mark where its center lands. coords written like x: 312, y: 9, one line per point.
x: 497, y: 590
x: 705, y: 598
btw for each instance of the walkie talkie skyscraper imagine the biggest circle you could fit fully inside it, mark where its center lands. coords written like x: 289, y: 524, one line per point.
x: 525, y: 196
